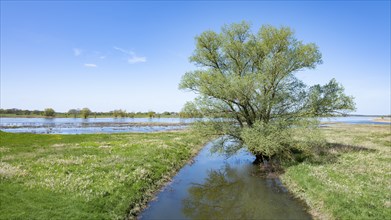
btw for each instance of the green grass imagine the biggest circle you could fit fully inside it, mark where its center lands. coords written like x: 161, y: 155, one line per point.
x: 350, y: 177
x: 96, y: 176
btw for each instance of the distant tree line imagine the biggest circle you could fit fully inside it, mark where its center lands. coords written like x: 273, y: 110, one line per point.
x: 87, y: 113
x: 118, y: 113
x: 16, y: 111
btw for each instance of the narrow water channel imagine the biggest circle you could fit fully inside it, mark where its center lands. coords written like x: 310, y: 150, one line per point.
x: 216, y: 187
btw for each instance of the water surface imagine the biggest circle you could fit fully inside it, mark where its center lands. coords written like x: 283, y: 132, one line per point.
x: 117, y: 125
x: 354, y: 120
x: 214, y: 187
x: 91, y: 125
x: 92, y: 130
x: 80, y: 121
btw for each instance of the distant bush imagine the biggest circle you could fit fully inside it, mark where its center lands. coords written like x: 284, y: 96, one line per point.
x: 49, y: 112
x: 73, y: 112
x: 85, y: 112
x: 151, y: 114
x: 119, y: 113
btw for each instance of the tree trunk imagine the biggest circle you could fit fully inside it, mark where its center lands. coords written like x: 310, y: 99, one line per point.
x: 259, y: 158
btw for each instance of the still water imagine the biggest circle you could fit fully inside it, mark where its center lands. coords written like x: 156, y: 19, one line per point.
x: 216, y: 187
x: 91, y: 125
x: 353, y: 120
x: 116, y: 125
x: 81, y: 121
x: 92, y: 130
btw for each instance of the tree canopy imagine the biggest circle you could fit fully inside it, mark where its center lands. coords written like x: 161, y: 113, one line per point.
x: 49, y: 112
x: 85, y: 112
x: 248, y: 81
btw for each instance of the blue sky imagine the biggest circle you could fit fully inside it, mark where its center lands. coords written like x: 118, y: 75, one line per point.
x: 131, y: 55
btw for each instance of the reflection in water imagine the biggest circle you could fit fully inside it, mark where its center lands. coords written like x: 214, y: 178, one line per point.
x: 239, y: 193
x: 217, y: 187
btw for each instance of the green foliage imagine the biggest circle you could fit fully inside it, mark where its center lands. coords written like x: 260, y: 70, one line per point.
x: 19, y: 113
x: 329, y: 99
x: 248, y: 80
x: 119, y: 113
x: 85, y: 112
x: 190, y: 111
x: 151, y: 114
x: 96, y: 176
x: 15, y: 111
x: 73, y: 112
x: 49, y: 112
x: 267, y: 139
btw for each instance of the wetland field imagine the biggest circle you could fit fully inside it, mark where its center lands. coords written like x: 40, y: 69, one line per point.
x: 116, y: 176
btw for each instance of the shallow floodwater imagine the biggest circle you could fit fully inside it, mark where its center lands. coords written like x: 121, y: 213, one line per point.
x: 92, y: 130
x: 216, y: 187
x: 81, y: 121
x: 117, y: 125
x: 353, y: 120
x: 91, y: 125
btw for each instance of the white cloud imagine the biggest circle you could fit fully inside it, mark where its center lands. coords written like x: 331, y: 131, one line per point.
x: 77, y: 52
x: 136, y: 59
x: 90, y: 65
x: 128, y: 52
x: 132, y: 57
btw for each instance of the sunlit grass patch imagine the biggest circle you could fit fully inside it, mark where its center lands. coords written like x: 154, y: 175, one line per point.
x: 350, y: 177
x: 105, y: 176
x: 8, y: 171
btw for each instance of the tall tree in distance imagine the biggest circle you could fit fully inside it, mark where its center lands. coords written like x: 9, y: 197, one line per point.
x: 73, y: 112
x: 49, y: 112
x: 85, y: 112
x: 247, y: 83
x: 119, y: 113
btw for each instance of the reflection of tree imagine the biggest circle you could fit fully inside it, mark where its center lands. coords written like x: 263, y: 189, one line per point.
x: 224, y: 195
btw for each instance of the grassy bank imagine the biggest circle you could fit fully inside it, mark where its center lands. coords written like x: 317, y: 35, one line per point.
x: 97, y: 176
x: 348, y: 179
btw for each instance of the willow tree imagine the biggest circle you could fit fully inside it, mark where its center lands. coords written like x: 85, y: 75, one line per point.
x: 246, y: 81
x: 85, y: 112
x: 49, y: 112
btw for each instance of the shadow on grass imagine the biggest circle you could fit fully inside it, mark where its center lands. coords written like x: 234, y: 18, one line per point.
x: 327, y: 153
x: 331, y: 151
